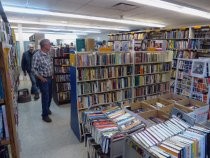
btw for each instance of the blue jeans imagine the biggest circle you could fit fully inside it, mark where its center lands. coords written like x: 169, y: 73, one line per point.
x: 46, y: 92
x: 34, y: 88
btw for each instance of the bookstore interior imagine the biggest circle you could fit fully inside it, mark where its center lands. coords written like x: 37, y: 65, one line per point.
x: 135, y: 73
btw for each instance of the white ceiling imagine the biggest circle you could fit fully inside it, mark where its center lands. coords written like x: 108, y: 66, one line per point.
x: 103, y: 8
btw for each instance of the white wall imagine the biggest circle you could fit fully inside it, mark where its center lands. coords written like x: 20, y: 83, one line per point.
x: 98, y: 36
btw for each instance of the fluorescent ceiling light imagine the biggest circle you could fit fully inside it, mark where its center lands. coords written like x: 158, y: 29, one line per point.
x: 76, y: 16
x: 173, y: 7
x: 55, y: 29
x: 68, y: 25
x: 51, y: 32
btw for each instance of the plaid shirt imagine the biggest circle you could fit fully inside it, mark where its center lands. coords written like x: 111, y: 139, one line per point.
x: 42, y: 64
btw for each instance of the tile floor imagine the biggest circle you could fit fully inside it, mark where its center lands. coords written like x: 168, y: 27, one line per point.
x: 46, y: 140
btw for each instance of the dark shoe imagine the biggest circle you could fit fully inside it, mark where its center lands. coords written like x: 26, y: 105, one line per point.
x: 46, y: 119
x: 49, y: 112
x: 36, y: 97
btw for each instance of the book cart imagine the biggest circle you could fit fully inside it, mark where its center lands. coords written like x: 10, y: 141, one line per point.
x: 163, y: 139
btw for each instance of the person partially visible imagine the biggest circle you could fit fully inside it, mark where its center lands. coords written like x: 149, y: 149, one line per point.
x: 42, y: 68
x: 26, y: 67
x: 72, y: 48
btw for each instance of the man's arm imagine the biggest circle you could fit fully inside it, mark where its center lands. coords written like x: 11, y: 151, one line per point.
x: 23, y: 63
x: 35, y: 67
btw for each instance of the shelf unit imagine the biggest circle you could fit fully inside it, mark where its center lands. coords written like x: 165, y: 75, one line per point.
x: 61, y: 82
x: 187, y: 84
x: 185, y: 42
x: 10, y: 81
x: 101, y: 79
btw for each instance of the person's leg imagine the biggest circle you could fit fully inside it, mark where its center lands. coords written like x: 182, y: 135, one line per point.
x: 50, y: 94
x: 34, y: 89
x: 44, y: 88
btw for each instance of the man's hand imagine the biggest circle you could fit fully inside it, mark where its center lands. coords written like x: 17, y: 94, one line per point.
x: 42, y: 79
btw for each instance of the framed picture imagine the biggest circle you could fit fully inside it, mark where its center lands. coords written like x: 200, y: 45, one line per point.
x: 199, y: 68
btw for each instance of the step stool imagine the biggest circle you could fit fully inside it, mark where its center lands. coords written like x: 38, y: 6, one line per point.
x: 24, y: 96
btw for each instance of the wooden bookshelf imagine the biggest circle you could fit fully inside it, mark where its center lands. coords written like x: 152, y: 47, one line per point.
x: 4, y: 142
x: 61, y: 78
x: 10, y: 79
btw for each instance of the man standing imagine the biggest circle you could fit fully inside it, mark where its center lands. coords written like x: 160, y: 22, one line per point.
x: 42, y: 68
x: 26, y: 67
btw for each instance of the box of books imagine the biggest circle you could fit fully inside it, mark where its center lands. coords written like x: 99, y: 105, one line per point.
x: 140, y: 107
x: 173, y: 97
x: 199, y: 109
x: 155, y: 116
x: 158, y: 103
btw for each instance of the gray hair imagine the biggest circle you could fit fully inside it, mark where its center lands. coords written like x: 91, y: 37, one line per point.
x: 43, y: 42
x: 30, y: 45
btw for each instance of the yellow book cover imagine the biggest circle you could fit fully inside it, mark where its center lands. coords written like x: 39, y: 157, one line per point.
x: 72, y: 60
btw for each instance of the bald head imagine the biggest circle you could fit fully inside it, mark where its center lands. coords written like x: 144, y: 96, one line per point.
x: 31, y: 48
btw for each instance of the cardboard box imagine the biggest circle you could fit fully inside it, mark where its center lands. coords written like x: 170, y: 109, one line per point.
x: 140, y: 107
x: 199, y: 109
x: 153, y: 102
x: 154, y: 113
x: 173, y: 97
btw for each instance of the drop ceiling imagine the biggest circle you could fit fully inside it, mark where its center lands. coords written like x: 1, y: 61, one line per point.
x: 107, y: 8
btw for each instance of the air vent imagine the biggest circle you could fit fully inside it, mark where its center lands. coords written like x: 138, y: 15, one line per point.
x: 124, y: 7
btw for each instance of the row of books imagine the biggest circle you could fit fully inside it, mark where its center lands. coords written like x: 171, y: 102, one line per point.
x: 144, y: 57
x: 104, y: 86
x: 187, y: 54
x: 200, y: 89
x: 185, y: 65
x: 63, y: 96
x: 62, y: 51
x: 105, y: 98
x: 101, y: 128
x: 173, y: 44
x: 61, y: 70
x: 152, y: 68
x: 60, y: 62
x: 151, y: 90
x: 62, y: 78
x: 175, y: 138
x: 173, y: 34
x: 61, y: 87
x: 191, y: 79
x: 124, y: 120
x: 106, y: 126
x: 151, y: 79
x: 4, y: 132
x: 202, y: 34
x: 104, y: 72
x: 177, y: 34
x: 97, y: 59
x: 127, y: 36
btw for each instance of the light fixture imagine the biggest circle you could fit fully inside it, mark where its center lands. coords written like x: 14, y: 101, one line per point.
x: 173, y: 7
x: 76, y: 16
x: 52, y: 32
x: 68, y: 25
x: 58, y: 30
